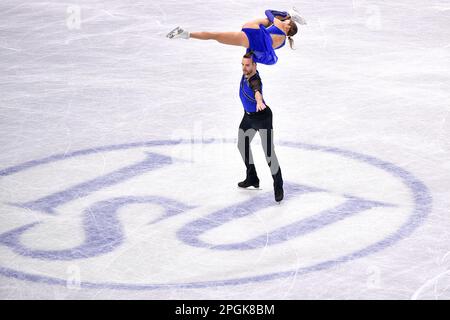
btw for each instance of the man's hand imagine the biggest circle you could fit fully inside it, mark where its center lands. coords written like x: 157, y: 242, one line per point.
x: 260, y: 106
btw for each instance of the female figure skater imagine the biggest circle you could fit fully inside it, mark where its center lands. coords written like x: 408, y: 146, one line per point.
x: 262, y: 37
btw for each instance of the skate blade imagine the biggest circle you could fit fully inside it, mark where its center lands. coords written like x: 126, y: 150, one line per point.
x: 174, y: 33
x: 299, y: 19
x: 249, y: 188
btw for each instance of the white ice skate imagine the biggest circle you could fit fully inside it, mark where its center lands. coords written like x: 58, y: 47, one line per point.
x: 178, y: 33
x: 296, y: 16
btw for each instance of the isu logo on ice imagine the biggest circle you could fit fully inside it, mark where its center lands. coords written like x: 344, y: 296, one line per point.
x: 147, y: 216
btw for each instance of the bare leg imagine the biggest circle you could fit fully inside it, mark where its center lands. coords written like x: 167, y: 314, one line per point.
x: 230, y: 38
x: 255, y: 23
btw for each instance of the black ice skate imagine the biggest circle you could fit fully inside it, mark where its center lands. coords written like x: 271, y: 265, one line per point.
x: 251, y: 180
x: 279, y: 194
x: 278, y: 186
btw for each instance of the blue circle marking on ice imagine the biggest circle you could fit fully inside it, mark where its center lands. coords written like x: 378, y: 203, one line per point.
x: 420, y: 194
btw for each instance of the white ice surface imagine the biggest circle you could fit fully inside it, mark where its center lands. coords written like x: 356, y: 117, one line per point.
x: 371, y: 77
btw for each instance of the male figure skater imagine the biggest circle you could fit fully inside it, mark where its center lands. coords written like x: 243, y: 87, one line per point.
x: 257, y: 117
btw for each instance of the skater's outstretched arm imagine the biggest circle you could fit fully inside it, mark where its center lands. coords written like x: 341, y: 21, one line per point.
x: 278, y: 18
x: 256, y: 86
x: 260, y: 105
x: 274, y: 14
x: 272, y: 17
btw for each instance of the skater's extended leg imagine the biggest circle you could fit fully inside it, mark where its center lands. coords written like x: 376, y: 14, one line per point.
x: 230, y: 38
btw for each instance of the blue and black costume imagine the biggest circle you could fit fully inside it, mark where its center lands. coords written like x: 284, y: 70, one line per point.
x: 260, y: 41
x: 253, y: 121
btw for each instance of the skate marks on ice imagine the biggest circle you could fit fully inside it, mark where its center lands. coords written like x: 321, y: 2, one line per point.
x: 438, y: 286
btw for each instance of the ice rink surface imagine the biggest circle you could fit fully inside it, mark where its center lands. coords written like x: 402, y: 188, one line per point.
x: 119, y: 164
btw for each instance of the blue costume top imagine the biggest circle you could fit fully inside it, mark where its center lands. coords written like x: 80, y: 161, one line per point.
x: 247, y: 90
x: 260, y: 41
x: 273, y: 29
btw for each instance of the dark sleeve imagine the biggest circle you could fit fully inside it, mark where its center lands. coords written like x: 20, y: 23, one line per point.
x: 270, y: 14
x: 255, y: 83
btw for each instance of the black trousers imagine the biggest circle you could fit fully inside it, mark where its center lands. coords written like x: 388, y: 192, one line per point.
x: 262, y: 122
